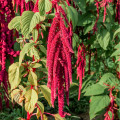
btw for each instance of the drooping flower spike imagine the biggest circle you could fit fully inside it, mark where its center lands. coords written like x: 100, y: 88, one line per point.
x: 117, y: 18
x: 105, y: 3
x: 80, y: 64
x: 59, y: 65
x: 22, y: 5
x: 6, y: 42
x: 111, y: 106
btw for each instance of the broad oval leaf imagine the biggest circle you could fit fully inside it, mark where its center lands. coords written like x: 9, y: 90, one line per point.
x: 44, y: 6
x: 97, y: 104
x: 25, y: 22
x: 103, y: 38
x: 14, y: 75
x: 15, y: 23
x: 36, y: 19
x: 31, y: 98
x: 95, y: 89
x: 46, y: 92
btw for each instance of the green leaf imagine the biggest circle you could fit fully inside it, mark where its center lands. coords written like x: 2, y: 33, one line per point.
x: 32, y: 78
x: 110, y: 114
x: 41, y: 7
x: 85, y: 19
x: 31, y: 98
x: 44, y: 6
x: 72, y: 15
x: 29, y: 20
x: 95, y: 89
x: 48, y: 5
x: 46, y: 92
x: 109, y: 79
x: 89, y: 27
x: 43, y: 49
x: 75, y: 40
x: 41, y: 107
x: 118, y: 101
x: 14, y: 93
x: 97, y: 104
x: 14, y: 75
x: 45, y: 117
x: 36, y: 19
x: 15, y: 23
x: 34, y: 52
x: 73, y: 88
x: 25, y: 50
x: 116, y: 53
x: 118, y: 112
x: 81, y: 4
x: 35, y: 34
x: 103, y: 38
x: 25, y: 22
x: 57, y: 117
x: 36, y: 65
x: 116, y: 33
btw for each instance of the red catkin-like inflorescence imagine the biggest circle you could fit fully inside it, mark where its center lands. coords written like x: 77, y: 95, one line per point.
x: 95, y: 26
x: 6, y: 42
x: 110, y: 107
x: 59, y: 50
x: 117, y: 18
x: 22, y: 5
x: 80, y: 63
x: 105, y: 3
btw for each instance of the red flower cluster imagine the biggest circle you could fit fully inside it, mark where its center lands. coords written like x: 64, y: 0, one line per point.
x: 6, y: 41
x: 95, y: 26
x: 22, y: 5
x: 104, y: 3
x: 81, y: 63
x: 117, y: 18
x: 111, y: 106
x: 59, y: 65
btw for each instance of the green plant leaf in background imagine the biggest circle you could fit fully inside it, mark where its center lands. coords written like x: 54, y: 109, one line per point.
x: 72, y: 15
x: 116, y: 33
x: 103, y: 38
x: 95, y: 89
x: 109, y: 79
x: 97, y: 104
